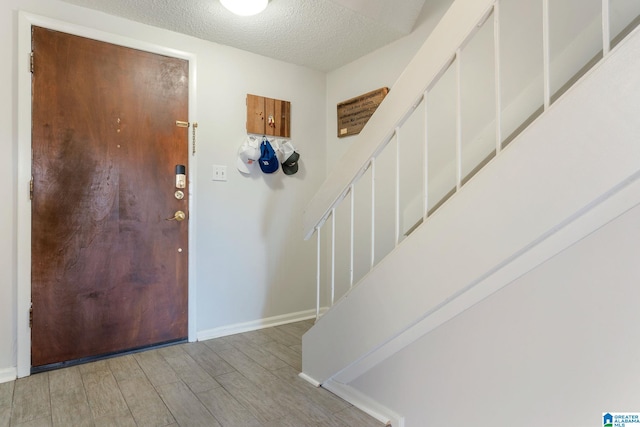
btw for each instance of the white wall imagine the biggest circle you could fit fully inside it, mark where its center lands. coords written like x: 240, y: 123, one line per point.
x: 556, y: 347
x: 251, y: 262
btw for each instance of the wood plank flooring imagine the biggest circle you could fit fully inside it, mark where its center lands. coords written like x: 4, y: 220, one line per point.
x: 244, y: 380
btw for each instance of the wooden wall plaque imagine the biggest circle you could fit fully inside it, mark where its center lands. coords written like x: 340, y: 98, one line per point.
x: 279, y: 110
x: 255, y: 114
x: 354, y: 113
x: 267, y: 116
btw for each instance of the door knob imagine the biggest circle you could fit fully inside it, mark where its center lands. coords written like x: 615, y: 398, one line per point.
x: 178, y: 216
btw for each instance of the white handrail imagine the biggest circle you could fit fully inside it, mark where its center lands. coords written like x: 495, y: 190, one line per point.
x: 546, y: 49
x: 373, y: 212
x: 425, y: 160
x: 397, y: 192
x: 318, y: 270
x: 352, y: 240
x: 497, y: 75
x: 333, y: 255
x: 458, y: 157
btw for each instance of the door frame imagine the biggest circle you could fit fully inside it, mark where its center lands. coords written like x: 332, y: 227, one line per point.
x: 23, y: 232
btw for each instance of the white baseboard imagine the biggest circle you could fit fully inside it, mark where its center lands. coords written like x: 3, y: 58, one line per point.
x: 254, y: 325
x: 8, y: 374
x: 364, y: 403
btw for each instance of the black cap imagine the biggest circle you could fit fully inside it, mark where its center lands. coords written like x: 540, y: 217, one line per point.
x: 290, y: 166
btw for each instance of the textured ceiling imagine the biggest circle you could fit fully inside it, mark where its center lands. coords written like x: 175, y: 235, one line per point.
x: 319, y: 34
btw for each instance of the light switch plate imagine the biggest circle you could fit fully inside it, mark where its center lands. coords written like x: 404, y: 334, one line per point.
x: 219, y: 173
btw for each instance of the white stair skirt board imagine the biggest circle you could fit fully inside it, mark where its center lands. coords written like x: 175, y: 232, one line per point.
x: 8, y: 374
x: 254, y: 325
x: 365, y: 403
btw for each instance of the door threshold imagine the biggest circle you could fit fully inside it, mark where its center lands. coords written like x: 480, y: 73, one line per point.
x: 83, y: 360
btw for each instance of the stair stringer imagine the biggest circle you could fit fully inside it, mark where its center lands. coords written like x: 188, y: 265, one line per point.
x: 573, y: 170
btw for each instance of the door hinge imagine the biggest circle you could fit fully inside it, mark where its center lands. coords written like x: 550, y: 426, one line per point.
x: 31, y: 62
x: 31, y: 317
x: 31, y: 189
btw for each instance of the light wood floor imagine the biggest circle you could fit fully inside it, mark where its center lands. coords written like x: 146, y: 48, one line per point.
x: 247, y: 380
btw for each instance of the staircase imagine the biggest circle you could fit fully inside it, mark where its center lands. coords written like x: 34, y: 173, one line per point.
x: 549, y: 164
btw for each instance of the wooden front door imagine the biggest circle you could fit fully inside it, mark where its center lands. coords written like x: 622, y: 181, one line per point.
x: 109, y: 271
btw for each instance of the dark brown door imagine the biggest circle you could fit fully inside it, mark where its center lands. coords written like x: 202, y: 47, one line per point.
x: 109, y: 272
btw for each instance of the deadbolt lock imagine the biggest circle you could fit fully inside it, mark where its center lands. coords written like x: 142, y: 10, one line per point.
x: 178, y: 216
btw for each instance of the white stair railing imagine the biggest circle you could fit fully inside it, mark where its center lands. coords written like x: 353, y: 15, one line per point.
x: 485, y: 29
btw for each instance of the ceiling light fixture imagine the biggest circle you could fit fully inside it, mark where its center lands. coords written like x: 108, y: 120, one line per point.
x: 245, y: 7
